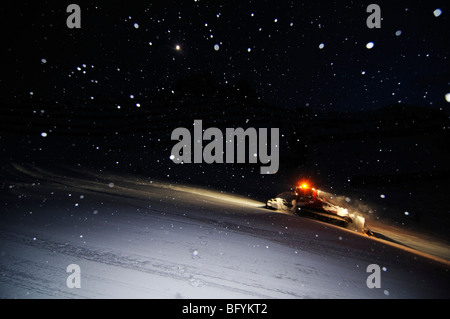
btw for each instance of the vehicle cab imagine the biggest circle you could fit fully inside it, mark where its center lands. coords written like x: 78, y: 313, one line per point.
x: 304, y: 193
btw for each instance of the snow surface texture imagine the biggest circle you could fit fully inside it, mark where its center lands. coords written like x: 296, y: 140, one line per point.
x: 139, y: 238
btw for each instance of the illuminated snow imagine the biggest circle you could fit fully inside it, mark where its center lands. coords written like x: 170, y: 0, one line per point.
x: 447, y: 97
x: 370, y: 45
x: 437, y: 12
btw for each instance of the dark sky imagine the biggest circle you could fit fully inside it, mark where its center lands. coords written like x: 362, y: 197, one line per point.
x: 130, y: 48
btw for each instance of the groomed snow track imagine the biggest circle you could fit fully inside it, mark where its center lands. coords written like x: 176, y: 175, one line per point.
x: 135, y: 237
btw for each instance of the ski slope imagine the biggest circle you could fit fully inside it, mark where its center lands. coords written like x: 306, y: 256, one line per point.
x: 135, y: 237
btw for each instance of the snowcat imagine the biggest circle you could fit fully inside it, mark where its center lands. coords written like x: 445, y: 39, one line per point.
x: 306, y: 201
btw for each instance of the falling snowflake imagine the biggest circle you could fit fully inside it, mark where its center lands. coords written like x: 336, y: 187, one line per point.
x: 447, y: 97
x: 437, y: 12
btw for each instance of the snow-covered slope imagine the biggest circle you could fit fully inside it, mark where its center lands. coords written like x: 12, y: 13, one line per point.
x: 135, y: 237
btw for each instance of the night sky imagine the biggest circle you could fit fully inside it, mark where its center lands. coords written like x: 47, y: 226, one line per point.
x: 292, y: 53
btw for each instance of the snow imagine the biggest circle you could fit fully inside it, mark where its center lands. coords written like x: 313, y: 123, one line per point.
x: 136, y: 237
x: 437, y: 12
